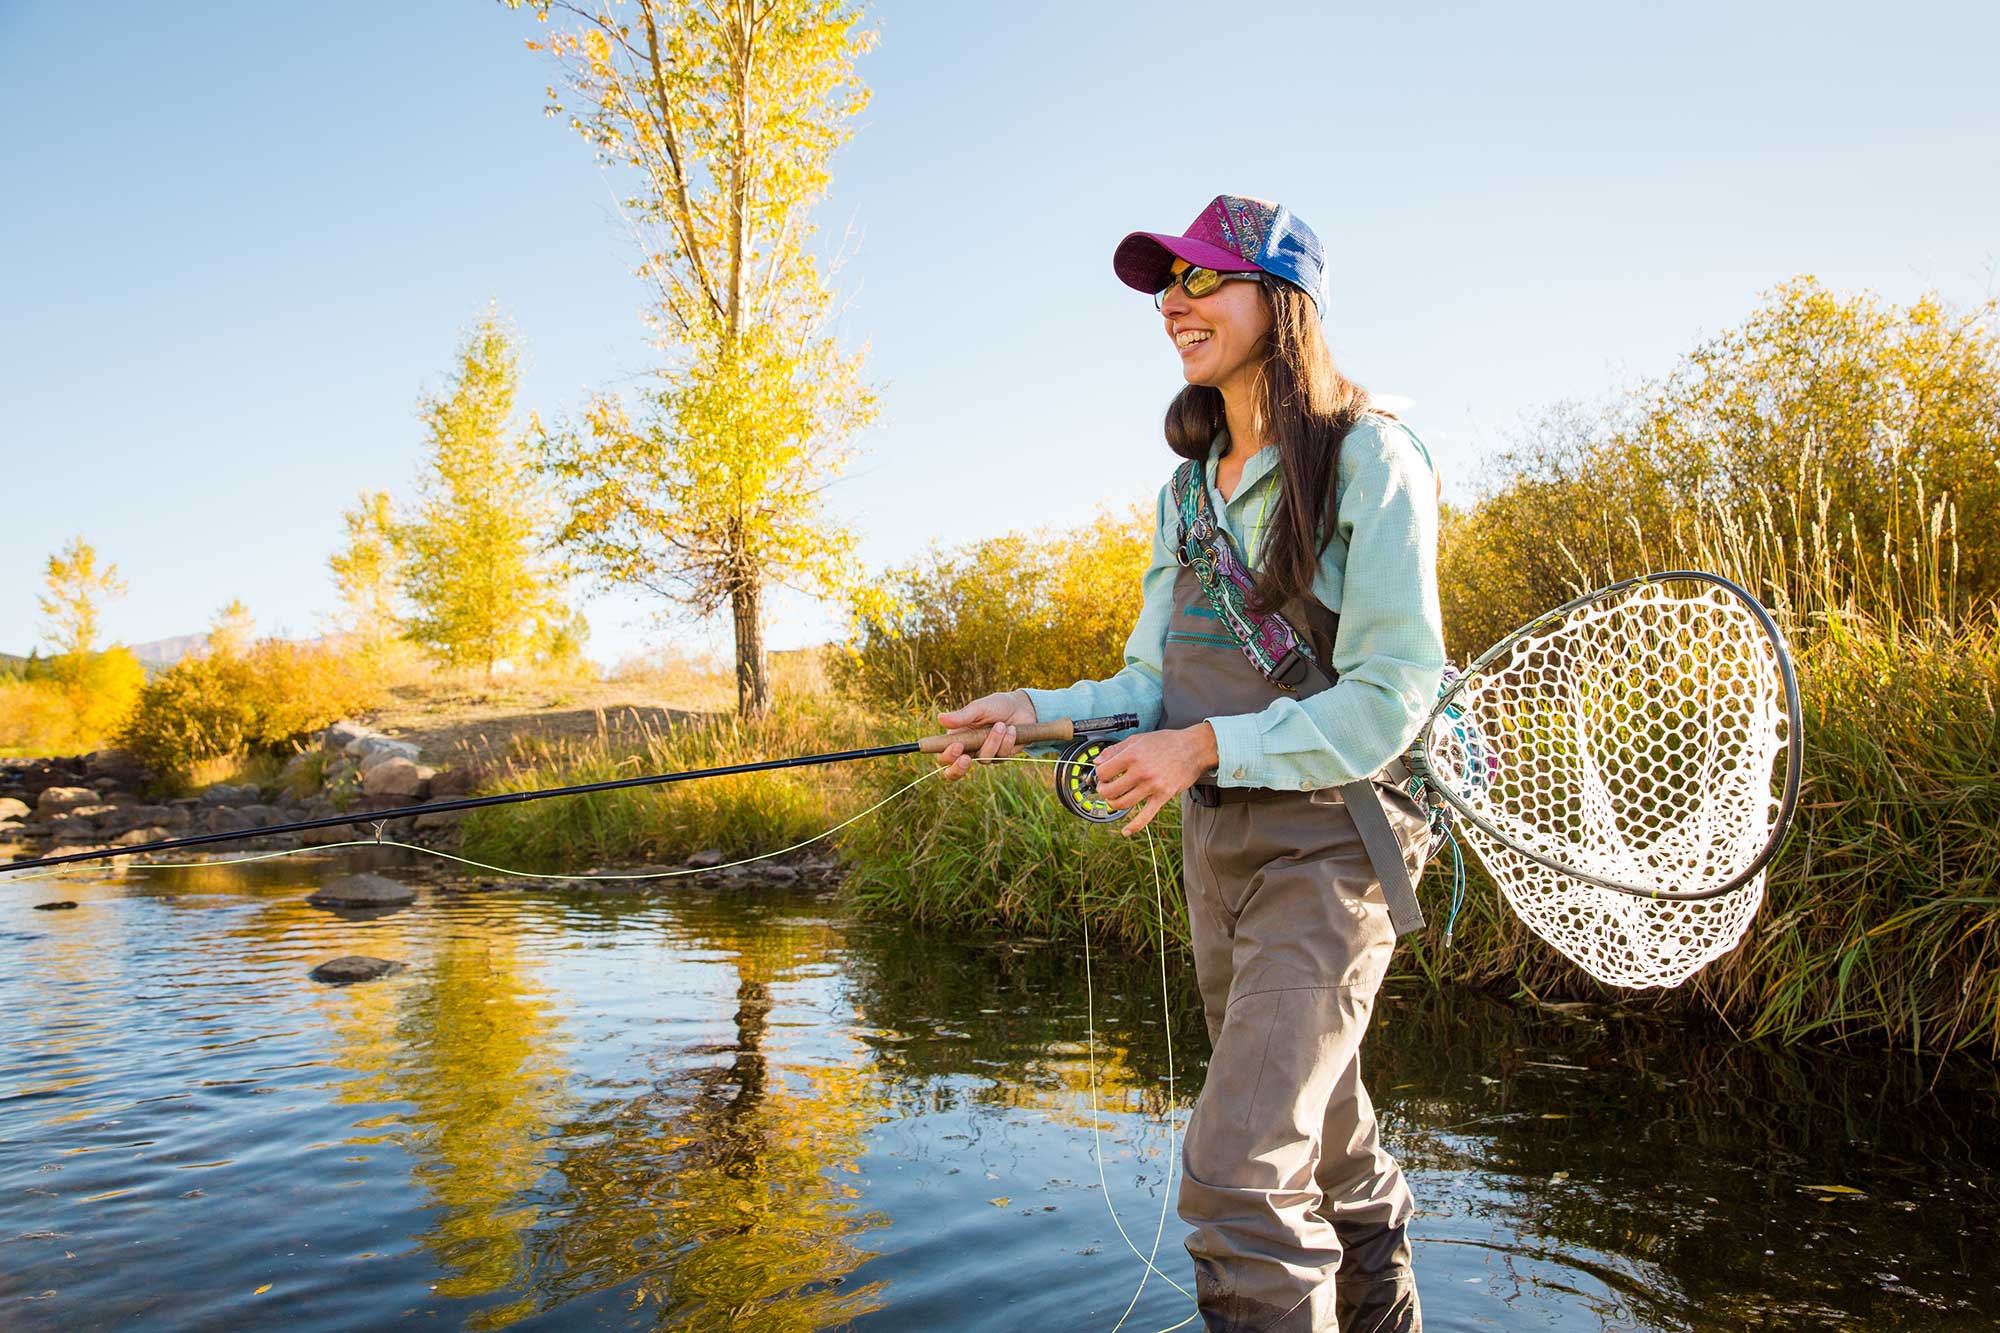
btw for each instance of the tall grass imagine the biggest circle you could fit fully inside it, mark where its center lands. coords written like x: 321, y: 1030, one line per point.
x: 995, y: 851
x: 739, y: 815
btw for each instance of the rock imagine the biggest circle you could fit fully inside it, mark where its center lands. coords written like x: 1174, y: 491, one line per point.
x: 449, y: 783
x: 230, y: 793
x: 777, y: 874
x: 120, y: 766
x: 368, y: 747
x: 229, y: 819
x: 343, y: 734
x: 706, y: 859
x: 353, y: 967
x: 60, y: 800
x: 95, y: 813
x: 137, y: 836
x: 10, y: 829
x: 332, y: 833
x: 396, y: 776
x: 438, y: 821
x: 144, y: 816
x: 13, y: 809
x: 363, y: 890
x: 59, y: 905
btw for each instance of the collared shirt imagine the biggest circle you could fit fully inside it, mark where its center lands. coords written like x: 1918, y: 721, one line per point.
x: 1378, y: 573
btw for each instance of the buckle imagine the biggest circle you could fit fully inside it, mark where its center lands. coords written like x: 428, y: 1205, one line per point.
x: 1290, y: 671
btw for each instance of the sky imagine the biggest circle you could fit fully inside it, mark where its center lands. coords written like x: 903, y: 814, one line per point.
x: 240, y: 241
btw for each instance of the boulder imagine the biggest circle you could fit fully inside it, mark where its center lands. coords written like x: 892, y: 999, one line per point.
x: 139, y: 836
x: 450, y: 783
x: 61, y: 800
x: 120, y: 766
x: 231, y: 819
x: 11, y: 829
x: 343, y: 734
x: 368, y: 747
x: 706, y: 859
x: 397, y: 776
x: 332, y: 833
x: 13, y: 809
x: 353, y: 967
x: 362, y: 890
x: 97, y: 814
x: 230, y: 793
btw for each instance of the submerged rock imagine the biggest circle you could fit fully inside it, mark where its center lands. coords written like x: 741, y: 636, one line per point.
x: 353, y: 967
x: 362, y: 890
x: 59, y: 905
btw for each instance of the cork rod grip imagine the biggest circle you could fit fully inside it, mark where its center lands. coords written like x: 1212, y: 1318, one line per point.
x: 1024, y: 734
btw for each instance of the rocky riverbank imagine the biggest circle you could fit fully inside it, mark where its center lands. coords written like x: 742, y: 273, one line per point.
x: 54, y: 806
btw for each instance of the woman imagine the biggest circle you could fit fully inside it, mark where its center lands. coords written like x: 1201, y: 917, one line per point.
x: 1299, y: 1216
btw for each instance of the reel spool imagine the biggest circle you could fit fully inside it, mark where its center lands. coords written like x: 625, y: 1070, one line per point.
x: 1076, y: 781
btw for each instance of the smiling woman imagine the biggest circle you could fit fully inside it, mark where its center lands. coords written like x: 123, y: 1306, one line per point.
x: 1273, y: 707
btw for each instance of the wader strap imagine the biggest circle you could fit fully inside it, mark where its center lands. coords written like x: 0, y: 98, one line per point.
x: 1385, y: 854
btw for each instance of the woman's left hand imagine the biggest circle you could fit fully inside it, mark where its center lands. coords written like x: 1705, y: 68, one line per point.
x: 1150, y: 769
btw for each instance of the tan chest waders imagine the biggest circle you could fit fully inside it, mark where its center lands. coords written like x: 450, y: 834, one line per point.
x: 1298, y: 1215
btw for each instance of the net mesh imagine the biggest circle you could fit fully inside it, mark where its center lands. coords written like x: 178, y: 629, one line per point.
x: 1637, y: 739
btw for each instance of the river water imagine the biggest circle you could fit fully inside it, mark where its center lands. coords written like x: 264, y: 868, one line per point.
x: 704, y: 1109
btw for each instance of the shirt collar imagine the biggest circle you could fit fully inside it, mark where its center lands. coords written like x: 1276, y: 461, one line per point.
x: 1261, y: 462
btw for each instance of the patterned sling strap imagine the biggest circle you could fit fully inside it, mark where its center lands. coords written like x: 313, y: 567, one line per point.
x: 1283, y: 657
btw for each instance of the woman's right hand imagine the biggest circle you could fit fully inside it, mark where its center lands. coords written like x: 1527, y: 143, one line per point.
x: 1003, y: 712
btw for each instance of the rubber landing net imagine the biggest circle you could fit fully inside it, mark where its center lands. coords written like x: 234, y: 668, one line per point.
x: 1624, y: 768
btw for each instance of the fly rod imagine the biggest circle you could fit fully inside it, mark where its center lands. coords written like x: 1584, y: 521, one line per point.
x: 1060, y: 730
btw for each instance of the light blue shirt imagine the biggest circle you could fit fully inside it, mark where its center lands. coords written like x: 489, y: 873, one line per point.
x: 1379, y: 573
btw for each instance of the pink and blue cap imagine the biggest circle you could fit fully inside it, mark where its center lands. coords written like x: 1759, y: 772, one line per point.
x: 1234, y: 234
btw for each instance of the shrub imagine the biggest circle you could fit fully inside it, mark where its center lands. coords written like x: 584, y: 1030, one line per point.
x: 69, y: 702
x: 223, y: 704
x: 1044, y: 608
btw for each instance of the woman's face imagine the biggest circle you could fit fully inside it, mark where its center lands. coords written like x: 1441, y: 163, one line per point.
x: 1220, y: 336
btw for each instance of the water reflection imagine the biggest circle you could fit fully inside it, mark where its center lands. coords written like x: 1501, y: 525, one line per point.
x: 747, y: 1111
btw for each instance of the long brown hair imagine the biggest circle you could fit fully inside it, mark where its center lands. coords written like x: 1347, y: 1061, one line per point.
x: 1309, y: 406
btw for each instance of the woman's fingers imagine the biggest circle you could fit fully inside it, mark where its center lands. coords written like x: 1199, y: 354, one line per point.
x: 952, y: 760
x: 1147, y: 810
x: 996, y: 741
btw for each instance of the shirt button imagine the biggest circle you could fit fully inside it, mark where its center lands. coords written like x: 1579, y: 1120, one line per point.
x: 1238, y: 773
x: 1305, y: 784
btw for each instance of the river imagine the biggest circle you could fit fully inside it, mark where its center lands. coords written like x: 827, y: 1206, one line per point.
x: 745, y: 1109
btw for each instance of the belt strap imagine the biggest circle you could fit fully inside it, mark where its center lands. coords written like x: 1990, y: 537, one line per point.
x: 1385, y: 854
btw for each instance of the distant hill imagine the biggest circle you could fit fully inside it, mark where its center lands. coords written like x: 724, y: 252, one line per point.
x: 155, y: 656
x: 159, y: 654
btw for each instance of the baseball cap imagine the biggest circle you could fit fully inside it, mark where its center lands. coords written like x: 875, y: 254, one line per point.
x: 1234, y: 234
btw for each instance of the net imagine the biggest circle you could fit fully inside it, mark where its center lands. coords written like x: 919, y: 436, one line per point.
x: 1635, y: 739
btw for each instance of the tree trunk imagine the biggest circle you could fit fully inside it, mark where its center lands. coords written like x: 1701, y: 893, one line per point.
x: 753, y: 679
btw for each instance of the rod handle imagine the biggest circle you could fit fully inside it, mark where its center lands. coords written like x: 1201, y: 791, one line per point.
x: 1061, y: 729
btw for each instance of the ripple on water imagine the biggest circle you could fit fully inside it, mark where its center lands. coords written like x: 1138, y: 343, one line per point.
x: 572, y: 1110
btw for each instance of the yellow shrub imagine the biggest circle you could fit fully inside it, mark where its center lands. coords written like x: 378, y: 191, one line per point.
x: 1044, y: 608
x: 223, y: 704
x: 72, y: 703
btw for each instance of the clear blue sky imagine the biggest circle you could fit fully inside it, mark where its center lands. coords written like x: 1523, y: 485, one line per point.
x: 239, y: 239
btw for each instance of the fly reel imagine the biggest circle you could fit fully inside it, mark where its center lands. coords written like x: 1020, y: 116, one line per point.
x: 1076, y: 781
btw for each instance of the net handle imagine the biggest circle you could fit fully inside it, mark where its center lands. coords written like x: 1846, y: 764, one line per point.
x: 1418, y: 760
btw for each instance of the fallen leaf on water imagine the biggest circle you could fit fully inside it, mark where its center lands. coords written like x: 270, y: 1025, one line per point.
x: 261, y: 1290
x: 1000, y: 1202
x: 1554, y: 1115
x: 1834, y: 1189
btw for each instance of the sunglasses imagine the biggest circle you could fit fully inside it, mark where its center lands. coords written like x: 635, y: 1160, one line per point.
x: 1197, y: 283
